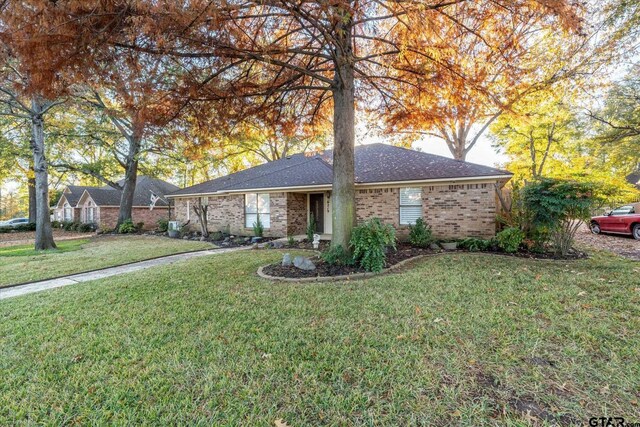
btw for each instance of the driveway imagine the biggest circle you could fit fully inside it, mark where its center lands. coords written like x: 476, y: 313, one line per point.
x: 622, y: 245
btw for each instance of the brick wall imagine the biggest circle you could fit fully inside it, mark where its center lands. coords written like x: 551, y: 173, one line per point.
x: 108, y: 216
x: 463, y: 210
x: 226, y: 213
x: 383, y: 203
x: 455, y: 211
x: 296, y: 213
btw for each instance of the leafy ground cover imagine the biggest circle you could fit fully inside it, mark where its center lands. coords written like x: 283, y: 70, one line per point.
x: 21, y: 263
x: 459, y: 339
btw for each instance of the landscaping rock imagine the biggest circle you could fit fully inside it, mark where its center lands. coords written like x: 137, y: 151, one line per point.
x: 185, y: 238
x: 256, y: 239
x: 203, y: 239
x: 277, y: 244
x: 286, y: 260
x: 434, y: 246
x: 226, y: 239
x: 303, y: 263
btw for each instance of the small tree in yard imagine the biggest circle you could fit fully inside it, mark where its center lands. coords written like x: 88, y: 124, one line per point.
x: 201, y: 210
x: 559, y: 207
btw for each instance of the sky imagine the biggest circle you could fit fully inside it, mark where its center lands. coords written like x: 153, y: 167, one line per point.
x: 482, y: 153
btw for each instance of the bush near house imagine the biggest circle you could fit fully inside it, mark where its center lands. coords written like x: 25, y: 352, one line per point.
x: 127, y: 227
x: 163, y: 225
x: 556, y: 208
x: 510, y: 239
x: 420, y: 234
x: 369, y: 242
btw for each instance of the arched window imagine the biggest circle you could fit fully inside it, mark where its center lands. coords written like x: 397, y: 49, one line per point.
x: 68, y: 212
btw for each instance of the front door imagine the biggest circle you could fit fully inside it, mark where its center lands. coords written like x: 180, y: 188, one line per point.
x: 316, y: 208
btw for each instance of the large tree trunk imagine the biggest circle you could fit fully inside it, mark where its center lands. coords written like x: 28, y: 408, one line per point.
x: 44, y: 233
x: 130, y: 180
x: 31, y: 184
x: 343, y: 194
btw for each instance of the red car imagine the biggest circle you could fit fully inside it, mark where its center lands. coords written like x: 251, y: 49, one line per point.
x: 623, y: 220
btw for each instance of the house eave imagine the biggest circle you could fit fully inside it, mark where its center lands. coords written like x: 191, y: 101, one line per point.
x: 321, y: 187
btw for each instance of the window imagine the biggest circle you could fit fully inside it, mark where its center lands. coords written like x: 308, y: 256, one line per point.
x: 90, y: 216
x: 257, y: 206
x: 410, y: 205
x: 624, y: 210
x: 68, y: 213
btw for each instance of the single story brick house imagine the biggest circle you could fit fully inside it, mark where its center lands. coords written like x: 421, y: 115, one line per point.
x: 100, y: 205
x: 397, y: 185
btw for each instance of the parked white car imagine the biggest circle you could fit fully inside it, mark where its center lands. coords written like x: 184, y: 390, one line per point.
x: 14, y: 222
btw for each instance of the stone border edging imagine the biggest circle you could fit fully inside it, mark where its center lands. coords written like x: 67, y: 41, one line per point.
x: 367, y: 275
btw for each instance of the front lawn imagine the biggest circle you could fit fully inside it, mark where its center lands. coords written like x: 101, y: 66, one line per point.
x: 20, y: 264
x: 463, y: 339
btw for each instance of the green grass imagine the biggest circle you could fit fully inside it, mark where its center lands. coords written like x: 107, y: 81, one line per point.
x: 27, y: 250
x: 461, y: 339
x: 20, y: 264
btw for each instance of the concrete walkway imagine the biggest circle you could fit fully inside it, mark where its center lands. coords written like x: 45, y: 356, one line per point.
x: 108, y: 272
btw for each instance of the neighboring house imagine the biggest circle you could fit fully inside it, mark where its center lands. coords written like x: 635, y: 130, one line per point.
x: 397, y: 185
x: 100, y: 205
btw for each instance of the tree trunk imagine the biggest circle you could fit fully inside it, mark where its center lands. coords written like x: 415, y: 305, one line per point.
x: 44, y: 233
x: 343, y: 191
x: 31, y: 184
x: 130, y: 180
x: 460, y: 152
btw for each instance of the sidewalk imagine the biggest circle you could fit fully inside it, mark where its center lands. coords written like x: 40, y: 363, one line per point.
x: 107, y: 272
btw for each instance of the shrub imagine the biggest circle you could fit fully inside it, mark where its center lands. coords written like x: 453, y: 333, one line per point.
x: 163, y: 225
x: 258, y: 228
x: 291, y: 241
x: 67, y: 225
x: 474, y: 244
x: 217, y: 235
x: 311, y: 228
x: 558, y: 207
x: 103, y: 229
x: 139, y: 226
x: 369, y: 242
x: 337, y: 255
x: 510, y: 239
x: 86, y: 228
x: 127, y: 227
x: 56, y: 224
x: 420, y: 234
x: 26, y: 227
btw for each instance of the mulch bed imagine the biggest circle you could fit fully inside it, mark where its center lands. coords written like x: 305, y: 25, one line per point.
x: 404, y: 251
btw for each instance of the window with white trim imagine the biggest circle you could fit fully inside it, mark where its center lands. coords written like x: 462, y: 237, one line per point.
x: 91, y: 212
x: 68, y: 213
x: 257, y: 206
x: 410, y: 205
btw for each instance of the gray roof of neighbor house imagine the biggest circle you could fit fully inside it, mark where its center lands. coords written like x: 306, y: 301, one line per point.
x: 374, y: 163
x: 73, y: 193
x: 109, y: 196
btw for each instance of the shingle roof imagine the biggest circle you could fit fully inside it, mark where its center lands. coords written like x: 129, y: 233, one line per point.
x: 74, y: 193
x: 109, y: 196
x: 374, y: 163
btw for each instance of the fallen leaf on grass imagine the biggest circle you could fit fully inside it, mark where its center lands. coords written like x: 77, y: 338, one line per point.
x: 581, y: 294
x: 281, y: 423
